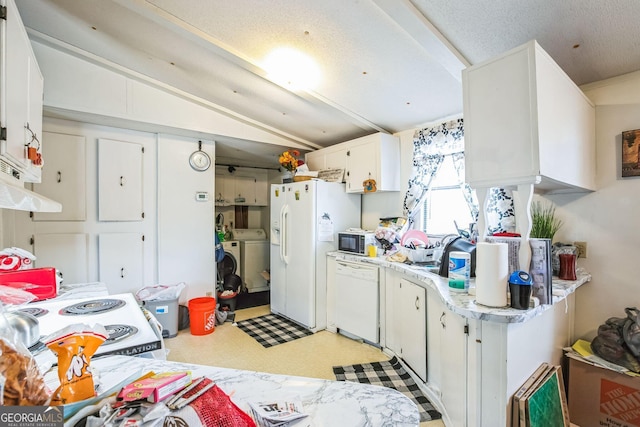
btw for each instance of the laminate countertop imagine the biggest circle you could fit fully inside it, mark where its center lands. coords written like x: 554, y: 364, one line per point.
x: 464, y: 304
x: 327, y: 403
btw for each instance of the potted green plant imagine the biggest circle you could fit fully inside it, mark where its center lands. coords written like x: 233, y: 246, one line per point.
x: 544, y: 222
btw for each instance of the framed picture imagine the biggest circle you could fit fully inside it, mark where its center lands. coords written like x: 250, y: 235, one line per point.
x: 631, y: 153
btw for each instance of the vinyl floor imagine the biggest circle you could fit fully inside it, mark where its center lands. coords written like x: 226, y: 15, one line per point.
x: 313, y: 356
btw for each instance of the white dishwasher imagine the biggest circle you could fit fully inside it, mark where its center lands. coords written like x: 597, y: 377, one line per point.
x: 357, y: 297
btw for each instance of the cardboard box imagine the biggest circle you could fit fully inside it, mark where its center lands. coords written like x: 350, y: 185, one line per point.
x: 156, y: 387
x: 602, y: 397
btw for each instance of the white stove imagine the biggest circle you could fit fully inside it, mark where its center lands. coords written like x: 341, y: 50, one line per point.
x: 129, y: 331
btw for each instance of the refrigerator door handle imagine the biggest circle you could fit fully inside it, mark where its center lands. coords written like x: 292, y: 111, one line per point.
x: 284, y: 227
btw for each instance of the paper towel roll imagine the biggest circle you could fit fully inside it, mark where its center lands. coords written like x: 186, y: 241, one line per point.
x: 492, y: 274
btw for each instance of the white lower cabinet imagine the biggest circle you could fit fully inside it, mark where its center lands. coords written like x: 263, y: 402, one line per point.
x: 121, y: 261
x: 406, y: 322
x: 448, y: 339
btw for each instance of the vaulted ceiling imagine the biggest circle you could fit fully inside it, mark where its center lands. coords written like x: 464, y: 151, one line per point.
x: 384, y: 65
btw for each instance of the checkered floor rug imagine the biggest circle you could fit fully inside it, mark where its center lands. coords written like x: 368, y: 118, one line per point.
x: 389, y: 374
x: 271, y: 329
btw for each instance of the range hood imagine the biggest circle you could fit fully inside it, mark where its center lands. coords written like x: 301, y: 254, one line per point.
x: 21, y: 199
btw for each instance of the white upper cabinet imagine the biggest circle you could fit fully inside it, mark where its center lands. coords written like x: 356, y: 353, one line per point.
x: 373, y: 157
x: 243, y: 186
x: 21, y: 100
x: 64, y: 179
x: 119, y: 181
x: 526, y: 122
x: 334, y: 157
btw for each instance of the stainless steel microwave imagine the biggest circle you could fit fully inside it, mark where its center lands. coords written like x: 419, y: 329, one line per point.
x: 355, y: 242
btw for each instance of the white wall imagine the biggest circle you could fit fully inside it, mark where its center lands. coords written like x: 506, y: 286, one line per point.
x: 19, y: 227
x: 607, y: 218
x: 185, y: 225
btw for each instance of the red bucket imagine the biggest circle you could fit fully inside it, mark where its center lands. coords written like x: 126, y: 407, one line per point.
x: 202, y: 315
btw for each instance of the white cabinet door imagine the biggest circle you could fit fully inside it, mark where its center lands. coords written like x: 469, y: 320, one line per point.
x: 119, y: 181
x: 121, y: 261
x: 67, y: 252
x: 453, y: 345
x: 21, y: 96
x: 374, y: 157
x: 262, y: 188
x: 393, y: 308
x: 245, y: 190
x: 362, y: 164
x: 64, y: 178
x: 336, y: 159
x: 315, y: 160
x: 225, y: 189
x: 414, y: 327
x: 525, y: 93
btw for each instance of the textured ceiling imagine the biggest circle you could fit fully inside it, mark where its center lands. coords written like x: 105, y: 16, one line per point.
x: 386, y: 65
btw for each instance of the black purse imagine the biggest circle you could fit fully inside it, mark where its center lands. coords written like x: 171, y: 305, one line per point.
x: 461, y: 245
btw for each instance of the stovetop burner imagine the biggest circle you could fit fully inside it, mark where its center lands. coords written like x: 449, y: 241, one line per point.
x: 118, y: 333
x: 92, y: 307
x: 34, y: 311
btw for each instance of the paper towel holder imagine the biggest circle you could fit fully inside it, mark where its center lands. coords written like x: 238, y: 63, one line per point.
x: 457, y: 244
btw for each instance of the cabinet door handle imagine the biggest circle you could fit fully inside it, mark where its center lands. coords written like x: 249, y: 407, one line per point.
x: 59, y: 177
x: 123, y: 272
x: 417, y: 303
x: 442, y: 321
x: 122, y: 181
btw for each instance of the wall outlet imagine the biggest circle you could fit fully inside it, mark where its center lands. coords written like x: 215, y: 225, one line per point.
x: 582, y: 249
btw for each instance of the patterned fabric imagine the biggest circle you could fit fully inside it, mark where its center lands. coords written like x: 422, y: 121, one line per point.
x: 389, y: 374
x: 430, y: 146
x: 272, y: 330
x: 500, y: 215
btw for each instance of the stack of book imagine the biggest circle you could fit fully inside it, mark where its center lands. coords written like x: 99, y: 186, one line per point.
x: 541, y: 401
x: 276, y: 413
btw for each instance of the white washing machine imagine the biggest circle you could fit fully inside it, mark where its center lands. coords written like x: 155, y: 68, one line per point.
x: 254, y: 258
x: 230, y: 264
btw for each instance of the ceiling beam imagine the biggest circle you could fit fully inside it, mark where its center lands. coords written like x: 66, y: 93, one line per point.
x: 418, y: 27
x: 216, y: 46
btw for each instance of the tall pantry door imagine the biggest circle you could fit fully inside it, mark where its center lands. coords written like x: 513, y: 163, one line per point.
x: 300, y: 238
x: 277, y: 283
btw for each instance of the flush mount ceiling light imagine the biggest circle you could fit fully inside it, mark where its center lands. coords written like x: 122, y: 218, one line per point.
x: 292, y: 69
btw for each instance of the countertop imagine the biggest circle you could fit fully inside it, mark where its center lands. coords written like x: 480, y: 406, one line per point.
x: 328, y: 403
x: 464, y: 303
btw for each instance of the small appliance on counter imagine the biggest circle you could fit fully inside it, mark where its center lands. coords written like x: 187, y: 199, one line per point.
x: 355, y: 241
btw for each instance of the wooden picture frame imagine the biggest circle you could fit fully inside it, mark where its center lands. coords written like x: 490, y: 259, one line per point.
x: 630, y: 153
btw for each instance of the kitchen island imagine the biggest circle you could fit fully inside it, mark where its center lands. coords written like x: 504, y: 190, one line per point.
x: 469, y: 359
x: 327, y: 403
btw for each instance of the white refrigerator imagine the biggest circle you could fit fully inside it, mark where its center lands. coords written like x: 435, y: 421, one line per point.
x: 305, y: 220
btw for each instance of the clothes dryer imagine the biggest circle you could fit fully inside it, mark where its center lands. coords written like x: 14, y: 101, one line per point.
x: 231, y: 260
x: 254, y: 258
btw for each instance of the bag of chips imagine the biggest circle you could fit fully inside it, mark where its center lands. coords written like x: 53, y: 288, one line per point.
x: 74, y: 346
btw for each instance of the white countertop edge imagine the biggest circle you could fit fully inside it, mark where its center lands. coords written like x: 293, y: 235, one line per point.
x: 463, y: 303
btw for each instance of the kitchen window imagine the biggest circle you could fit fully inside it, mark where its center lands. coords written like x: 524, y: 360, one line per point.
x: 444, y: 205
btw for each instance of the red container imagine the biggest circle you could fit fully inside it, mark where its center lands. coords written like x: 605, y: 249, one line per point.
x: 41, y: 282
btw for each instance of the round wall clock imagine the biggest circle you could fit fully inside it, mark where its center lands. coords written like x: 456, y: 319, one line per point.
x: 199, y: 160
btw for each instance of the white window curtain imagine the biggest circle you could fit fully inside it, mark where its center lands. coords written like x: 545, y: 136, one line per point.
x: 430, y: 146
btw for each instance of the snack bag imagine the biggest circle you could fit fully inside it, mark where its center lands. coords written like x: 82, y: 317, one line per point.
x: 21, y: 383
x: 74, y: 346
